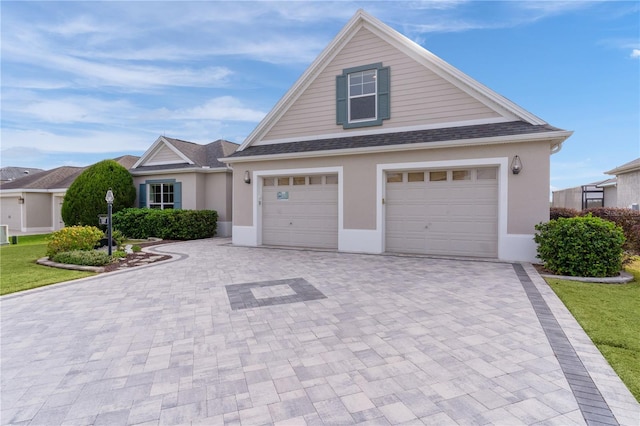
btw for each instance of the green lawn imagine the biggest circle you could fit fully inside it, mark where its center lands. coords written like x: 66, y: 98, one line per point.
x: 19, y: 271
x: 610, y: 314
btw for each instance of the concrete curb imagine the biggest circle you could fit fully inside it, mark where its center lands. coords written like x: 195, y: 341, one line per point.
x: 623, y: 278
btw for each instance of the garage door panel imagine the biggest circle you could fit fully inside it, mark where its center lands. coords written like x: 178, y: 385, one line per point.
x: 305, y: 216
x: 443, y: 217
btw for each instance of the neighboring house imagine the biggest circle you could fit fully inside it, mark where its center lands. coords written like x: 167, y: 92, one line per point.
x: 33, y: 203
x: 381, y: 146
x: 8, y: 174
x: 176, y: 174
x: 621, y: 191
x: 627, y: 184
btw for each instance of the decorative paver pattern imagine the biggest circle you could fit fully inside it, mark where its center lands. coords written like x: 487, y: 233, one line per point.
x: 269, y: 293
x: 593, y: 406
x: 396, y: 339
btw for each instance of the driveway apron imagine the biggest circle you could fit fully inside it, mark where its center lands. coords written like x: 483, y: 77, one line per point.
x: 251, y: 336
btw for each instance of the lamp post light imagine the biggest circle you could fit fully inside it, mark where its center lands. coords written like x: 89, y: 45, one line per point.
x: 109, y: 200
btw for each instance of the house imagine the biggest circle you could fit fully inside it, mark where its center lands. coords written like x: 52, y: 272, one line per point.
x: 381, y: 146
x: 33, y: 203
x: 177, y: 174
x: 621, y: 191
x: 627, y: 184
x: 8, y: 174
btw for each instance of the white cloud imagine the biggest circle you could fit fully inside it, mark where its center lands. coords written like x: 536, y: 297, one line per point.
x: 224, y: 108
x: 635, y: 53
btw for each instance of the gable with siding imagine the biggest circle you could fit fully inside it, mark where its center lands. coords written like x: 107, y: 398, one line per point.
x: 418, y: 95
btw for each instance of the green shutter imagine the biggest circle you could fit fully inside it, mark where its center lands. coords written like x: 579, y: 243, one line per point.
x: 341, y: 99
x: 177, y: 195
x: 384, y: 107
x: 142, y: 196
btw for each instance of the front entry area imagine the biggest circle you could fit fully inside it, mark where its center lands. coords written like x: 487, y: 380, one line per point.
x: 300, y: 211
x: 449, y: 212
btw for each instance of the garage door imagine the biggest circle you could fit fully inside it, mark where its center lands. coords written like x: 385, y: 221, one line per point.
x: 11, y: 208
x: 442, y: 212
x: 300, y: 211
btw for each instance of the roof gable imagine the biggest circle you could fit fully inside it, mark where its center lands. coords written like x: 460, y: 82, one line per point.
x: 362, y: 24
x: 162, y: 152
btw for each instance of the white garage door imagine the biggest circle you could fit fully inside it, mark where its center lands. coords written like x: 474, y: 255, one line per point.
x: 300, y: 211
x: 11, y: 208
x: 442, y: 212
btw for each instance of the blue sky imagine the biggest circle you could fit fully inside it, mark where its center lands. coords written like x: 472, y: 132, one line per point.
x: 85, y: 81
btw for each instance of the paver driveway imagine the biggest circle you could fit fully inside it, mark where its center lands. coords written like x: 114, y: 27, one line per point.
x: 237, y: 335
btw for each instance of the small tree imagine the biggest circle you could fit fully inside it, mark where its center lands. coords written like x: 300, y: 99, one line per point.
x: 84, y: 199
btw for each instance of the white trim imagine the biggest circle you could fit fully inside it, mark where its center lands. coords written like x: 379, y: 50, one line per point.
x: 179, y: 171
x: 385, y: 130
x: 252, y: 235
x: 503, y: 176
x: 244, y: 236
x: 519, y: 248
x: 359, y: 241
x: 528, y: 137
x: 224, y: 229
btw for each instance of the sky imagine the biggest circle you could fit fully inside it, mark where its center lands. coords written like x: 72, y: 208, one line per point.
x: 84, y: 81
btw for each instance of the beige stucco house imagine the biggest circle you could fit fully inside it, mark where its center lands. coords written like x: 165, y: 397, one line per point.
x: 33, y: 203
x: 179, y: 174
x: 381, y: 146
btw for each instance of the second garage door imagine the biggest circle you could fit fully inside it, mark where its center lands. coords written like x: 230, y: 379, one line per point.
x: 300, y: 211
x: 442, y: 212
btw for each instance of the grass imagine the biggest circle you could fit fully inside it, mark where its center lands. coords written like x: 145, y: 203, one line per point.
x: 19, y: 270
x: 610, y: 315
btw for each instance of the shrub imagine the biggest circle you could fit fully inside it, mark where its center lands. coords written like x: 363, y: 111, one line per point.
x: 583, y: 246
x: 166, y: 224
x: 83, y: 257
x: 627, y: 219
x: 84, y: 200
x: 73, y: 238
x: 558, y: 212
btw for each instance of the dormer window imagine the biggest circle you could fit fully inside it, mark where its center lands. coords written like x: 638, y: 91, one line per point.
x: 362, y: 96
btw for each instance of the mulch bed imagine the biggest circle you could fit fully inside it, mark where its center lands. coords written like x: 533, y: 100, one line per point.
x: 134, y: 259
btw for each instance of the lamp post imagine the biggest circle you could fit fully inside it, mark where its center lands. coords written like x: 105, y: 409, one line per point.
x: 109, y: 200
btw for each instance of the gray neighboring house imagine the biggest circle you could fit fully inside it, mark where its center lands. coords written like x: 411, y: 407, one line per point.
x: 33, y: 203
x: 178, y: 174
x: 627, y: 184
x: 7, y: 174
x: 622, y: 191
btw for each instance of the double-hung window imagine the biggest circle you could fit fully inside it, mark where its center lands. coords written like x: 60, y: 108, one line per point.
x: 160, y: 194
x: 362, y: 96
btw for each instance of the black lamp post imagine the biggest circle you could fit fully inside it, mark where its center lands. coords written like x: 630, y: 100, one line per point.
x: 109, y: 199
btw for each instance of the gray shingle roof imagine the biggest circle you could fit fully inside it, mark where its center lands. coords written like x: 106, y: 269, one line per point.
x: 631, y: 166
x: 512, y: 128
x: 12, y: 173
x: 58, y: 178
x: 201, y: 155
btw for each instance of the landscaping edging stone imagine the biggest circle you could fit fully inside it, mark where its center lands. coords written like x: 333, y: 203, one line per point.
x: 46, y: 262
x: 623, y: 278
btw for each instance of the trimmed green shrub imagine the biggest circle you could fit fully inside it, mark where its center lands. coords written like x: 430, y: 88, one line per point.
x: 73, y: 238
x: 584, y: 246
x: 558, y: 212
x: 627, y: 219
x: 166, y: 224
x: 83, y: 257
x: 84, y: 199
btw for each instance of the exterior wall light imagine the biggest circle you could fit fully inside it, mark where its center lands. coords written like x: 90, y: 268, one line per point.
x: 21, y: 200
x: 516, y: 165
x: 247, y: 177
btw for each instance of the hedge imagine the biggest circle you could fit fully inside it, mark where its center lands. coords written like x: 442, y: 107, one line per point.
x: 166, y: 224
x: 627, y: 219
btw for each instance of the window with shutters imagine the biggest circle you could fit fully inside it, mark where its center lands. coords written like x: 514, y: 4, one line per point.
x: 160, y: 194
x: 362, y: 96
